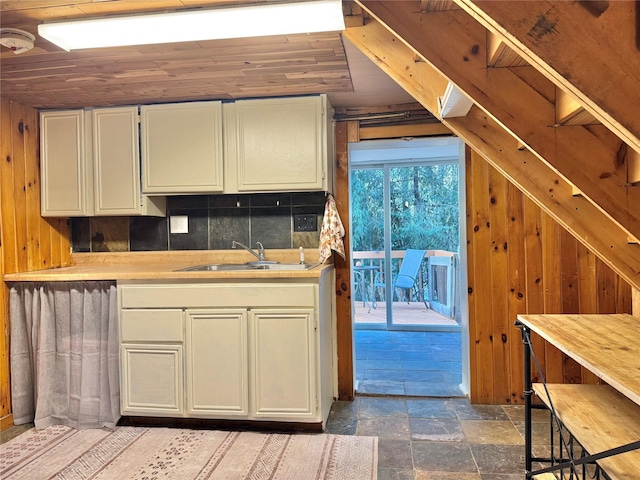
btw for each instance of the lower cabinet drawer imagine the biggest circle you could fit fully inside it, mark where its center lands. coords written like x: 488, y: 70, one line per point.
x: 162, y: 325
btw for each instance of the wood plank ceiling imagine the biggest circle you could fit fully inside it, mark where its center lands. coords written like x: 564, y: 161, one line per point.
x: 48, y: 77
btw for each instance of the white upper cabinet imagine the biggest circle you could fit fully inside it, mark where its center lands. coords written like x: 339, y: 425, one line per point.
x: 182, y: 148
x: 111, y: 161
x: 91, y: 165
x: 63, y: 166
x: 279, y: 144
x: 116, y: 164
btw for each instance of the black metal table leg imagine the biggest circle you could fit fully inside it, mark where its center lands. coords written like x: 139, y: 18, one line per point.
x: 528, y: 392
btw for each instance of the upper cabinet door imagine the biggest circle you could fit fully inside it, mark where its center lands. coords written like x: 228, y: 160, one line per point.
x: 62, y: 163
x: 281, y: 144
x: 182, y: 148
x: 116, y: 172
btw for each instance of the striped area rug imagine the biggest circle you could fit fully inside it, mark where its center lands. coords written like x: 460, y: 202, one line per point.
x: 139, y: 453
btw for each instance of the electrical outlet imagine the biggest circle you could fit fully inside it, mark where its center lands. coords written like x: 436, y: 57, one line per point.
x: 305, y: 223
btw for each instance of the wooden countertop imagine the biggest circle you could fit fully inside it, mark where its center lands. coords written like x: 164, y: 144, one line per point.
x: 162, y: 266
x: 605, y: 344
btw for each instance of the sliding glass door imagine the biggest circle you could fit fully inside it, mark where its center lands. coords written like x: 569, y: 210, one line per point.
x: 368, y: 243
x: 423, y: 219
x: 404, y: 218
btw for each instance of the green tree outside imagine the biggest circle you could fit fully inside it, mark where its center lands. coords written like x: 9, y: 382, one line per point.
x: 424, y: 208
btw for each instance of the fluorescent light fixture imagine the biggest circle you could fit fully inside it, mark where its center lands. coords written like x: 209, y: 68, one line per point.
x: 194, y: 25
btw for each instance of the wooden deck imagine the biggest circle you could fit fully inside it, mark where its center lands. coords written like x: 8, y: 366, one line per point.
x: 414, y: 313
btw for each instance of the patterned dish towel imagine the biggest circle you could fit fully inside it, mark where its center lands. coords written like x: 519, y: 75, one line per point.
x: 332, y: 231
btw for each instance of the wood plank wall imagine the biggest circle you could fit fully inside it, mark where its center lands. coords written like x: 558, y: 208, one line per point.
x: 522, y: 261
x: 27, y: 241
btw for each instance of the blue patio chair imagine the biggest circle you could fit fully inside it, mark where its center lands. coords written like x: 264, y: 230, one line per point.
x: 407, y: 278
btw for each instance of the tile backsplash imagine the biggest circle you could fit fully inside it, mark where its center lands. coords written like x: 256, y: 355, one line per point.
x: 214, y: 222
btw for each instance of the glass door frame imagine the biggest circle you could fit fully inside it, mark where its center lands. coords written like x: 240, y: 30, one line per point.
x: 388, y: 154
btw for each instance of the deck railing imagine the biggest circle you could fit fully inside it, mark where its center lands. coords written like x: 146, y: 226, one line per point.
x: 436, y: 284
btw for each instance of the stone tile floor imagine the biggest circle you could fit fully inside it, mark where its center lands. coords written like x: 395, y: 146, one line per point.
x: 408, y: 363
x: 441, y: 438
x: 408, y: 395
x: 433, y: 438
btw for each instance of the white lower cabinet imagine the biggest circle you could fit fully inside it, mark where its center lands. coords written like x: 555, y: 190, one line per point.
x: 284, y: 366
x: 227, y: 351
x: 153, y: 380
x: 151, y: 362
x: 217, y: 373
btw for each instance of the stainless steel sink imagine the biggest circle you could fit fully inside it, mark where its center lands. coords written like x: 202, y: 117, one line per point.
x: 290, y: 266
x: 216, y: 266
x: 259, y: 265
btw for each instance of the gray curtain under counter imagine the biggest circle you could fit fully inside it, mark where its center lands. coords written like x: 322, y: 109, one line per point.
x: 65, y: 354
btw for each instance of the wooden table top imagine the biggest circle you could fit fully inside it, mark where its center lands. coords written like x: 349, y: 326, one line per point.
x: 607, y: 345
x: 603, y: 418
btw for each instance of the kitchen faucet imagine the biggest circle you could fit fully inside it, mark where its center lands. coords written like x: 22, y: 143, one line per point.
x: 259, y: 255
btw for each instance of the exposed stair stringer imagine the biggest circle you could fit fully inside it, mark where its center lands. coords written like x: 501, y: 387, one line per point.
x: 521, y: 100
x: 480, y: 131
x: 590, y: 49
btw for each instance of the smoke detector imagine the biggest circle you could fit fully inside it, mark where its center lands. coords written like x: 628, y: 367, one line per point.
x: 17, y: 40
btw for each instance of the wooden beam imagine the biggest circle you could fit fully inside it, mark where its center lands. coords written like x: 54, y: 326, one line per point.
x: 352, y: 12
x: 520, y: 100
x: 634, y: 168
x: 635, y: 299
x: 397, y: 60
x: 353, y: 132
x: 344, y: 322
x: 591, y: 53
x: 499, y: 54
x: 399, y: 131
x: 8, y: 226
x: 437, y: 5
x: 551, y: 193
x: 524, y: 169
x: 6, y: 417
x: 570, y: 112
